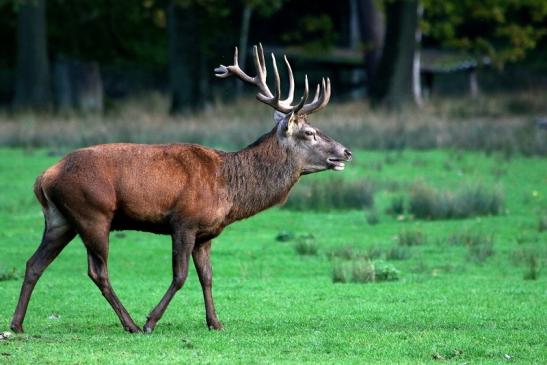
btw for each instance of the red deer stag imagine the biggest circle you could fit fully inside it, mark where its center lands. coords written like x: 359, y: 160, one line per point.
x: 187, y: 191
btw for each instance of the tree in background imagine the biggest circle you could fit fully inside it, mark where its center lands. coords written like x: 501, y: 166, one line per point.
x: 135, y: 43
x: 186, y: 58
x: 499, y: 31
x: 32, y: 79
x: 198, y: 31
x: 264, y: 8
x: 371, y: 28
x: 392, y: 86
x: 502, y: 30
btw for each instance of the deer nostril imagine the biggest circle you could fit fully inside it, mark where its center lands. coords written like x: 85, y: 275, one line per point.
x: 347, y: 153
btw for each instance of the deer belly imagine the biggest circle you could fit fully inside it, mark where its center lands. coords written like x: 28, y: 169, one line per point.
x: 123, y: 222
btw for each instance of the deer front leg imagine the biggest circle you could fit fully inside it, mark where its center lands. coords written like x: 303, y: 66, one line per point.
x: 202, y: 262
x: 183, y: 244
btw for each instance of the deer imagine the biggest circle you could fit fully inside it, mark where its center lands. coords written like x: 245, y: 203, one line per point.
x: 187, y: 191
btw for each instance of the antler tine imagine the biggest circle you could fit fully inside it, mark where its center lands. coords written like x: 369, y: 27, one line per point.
x: 277, y: 92
x: 236, y: 57
x: 317, y: 92
x: 290, y: 96
x: 262, y: 59
x: 304, y: 97
x: 319, y: 102
x: 327, y: 94
x: 260, y: 78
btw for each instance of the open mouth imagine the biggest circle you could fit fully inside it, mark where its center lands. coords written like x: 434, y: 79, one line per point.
x: 336, y: 163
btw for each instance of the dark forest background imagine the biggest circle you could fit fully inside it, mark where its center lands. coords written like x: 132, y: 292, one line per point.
x: 87, y: 54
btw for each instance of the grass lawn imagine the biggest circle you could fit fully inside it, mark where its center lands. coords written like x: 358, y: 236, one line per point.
x: 448, y: 304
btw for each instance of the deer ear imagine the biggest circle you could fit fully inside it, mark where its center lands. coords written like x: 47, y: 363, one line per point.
x: 285, y: 122
x: 279, y: 117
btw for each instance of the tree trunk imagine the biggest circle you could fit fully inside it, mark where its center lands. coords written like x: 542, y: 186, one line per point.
x: 392, y: 86
x: 185, y: 59
x: 243, y: 42
x: 416, y: 67
x: 473, y: 83
x: 371, y: 28
x: 78, y: 85
x: 357, y: 74
x: 32, y: 79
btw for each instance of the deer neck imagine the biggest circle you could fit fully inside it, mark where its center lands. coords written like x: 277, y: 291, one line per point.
x: 259, y: 176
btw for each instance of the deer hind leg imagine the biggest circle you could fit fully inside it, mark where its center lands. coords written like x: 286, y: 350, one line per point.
x: 57, y: 234
x: 182, y: 246
x: 202, y: 262
x: 96, y: 242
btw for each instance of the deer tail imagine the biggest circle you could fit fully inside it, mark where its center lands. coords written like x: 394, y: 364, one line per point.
x: 39, y: 192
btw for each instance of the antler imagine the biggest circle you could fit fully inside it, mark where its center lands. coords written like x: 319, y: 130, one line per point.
x: 274, y: 99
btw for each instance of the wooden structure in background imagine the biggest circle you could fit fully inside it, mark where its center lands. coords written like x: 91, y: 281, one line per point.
x: 433, y: 63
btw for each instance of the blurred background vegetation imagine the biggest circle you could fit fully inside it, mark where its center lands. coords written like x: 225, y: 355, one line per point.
x: 105, y: 70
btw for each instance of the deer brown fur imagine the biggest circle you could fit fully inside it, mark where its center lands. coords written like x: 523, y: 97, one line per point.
x: 187, y: 191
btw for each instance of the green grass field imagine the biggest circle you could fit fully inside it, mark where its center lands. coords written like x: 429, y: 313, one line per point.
x: 449, y: 305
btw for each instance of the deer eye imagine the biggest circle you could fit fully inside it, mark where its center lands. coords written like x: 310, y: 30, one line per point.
x: 308, y: 133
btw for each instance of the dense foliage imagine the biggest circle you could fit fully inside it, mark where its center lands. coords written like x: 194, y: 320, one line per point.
x: 110, y: 31
x: 503, y: 30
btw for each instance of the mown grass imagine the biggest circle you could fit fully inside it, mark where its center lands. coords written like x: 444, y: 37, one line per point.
x: 282, y: 307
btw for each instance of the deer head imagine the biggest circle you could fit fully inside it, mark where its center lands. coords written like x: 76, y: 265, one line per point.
x: 312, y: 149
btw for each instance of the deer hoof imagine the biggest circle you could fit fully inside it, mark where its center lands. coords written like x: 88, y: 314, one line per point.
x: 216, y: 325
x: 132, y: 329
x: 17, y: 328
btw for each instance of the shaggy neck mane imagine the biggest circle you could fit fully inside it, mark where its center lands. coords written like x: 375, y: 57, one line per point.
x: 259, y: 176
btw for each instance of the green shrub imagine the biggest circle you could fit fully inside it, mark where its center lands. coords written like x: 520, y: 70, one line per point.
x: 306, y: 246
x: 331, y: 194
x: 373, y: 252
x: 340, y: 273
x: 385, y: 271
x: 364, y: 271
x: 396, y: 206
x: 480, y: 248
x: 469, y: 201
x: 372, y: 217
x: 285, y: 236
x: 423, y: 201
x: 533, y: 268
x: 345, y: 253
x: 12, y: 274
x: 480, y: 253
x: 398, y: 253
x: 530, y: 258
x: 411, y: 238
x: 352, y: 253
x: 479, y: 245
x: 542, y: 223
x: 475, y: 200
x: 468, y: 237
